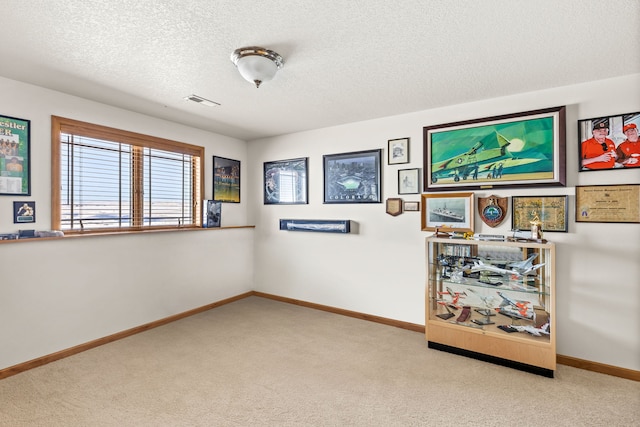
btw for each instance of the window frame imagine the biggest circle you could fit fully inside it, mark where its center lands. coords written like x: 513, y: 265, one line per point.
x: 60, y: 125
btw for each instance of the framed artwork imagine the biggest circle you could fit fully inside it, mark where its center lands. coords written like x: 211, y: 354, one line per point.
x: 609, y: 142
x: 608, y: 203
x: 447, y: 212
x: 409, y: 181
x: 15, y: 156
x: 24, y: 212
x: 226, y: 180
x: 211, y: 214
x: 285, y: 182
x: 514, y: 150
x: 352, y: 177
x: 398, y: 150
x: 411, y: 206
x: 550, y: 210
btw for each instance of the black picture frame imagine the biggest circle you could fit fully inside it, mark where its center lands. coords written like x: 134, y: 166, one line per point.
x: 409, y: 181
x: 226, y: 180
x: 515, y: 150
x: 608, y: 148
x: 285, y: 182
x: 15, y: 156
x: 24, y: 212
x: 398, y: 151
x: 608, y: 203
x: 353, y: 177
x: 316, y: 225
x: 551, y: 210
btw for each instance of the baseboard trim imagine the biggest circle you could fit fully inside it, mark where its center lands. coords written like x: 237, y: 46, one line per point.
x: 40, y: 361
x: 602, y: 368
x: 385, y: 321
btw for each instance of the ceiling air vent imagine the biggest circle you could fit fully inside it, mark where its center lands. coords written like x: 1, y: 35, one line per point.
x: 201, y: 100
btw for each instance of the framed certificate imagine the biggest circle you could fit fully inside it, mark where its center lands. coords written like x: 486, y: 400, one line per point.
x: 608, y: 203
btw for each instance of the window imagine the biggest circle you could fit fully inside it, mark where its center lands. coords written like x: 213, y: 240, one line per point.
x: 106, y: 179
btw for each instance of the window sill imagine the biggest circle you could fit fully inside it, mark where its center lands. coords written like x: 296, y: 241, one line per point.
x: 117, y: 233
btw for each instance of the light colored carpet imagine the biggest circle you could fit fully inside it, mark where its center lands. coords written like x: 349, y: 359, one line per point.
x: 258, y: 362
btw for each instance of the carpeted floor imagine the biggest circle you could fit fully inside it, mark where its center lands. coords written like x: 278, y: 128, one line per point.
x: 259, y: 362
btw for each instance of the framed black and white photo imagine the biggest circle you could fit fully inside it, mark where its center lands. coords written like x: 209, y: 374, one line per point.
x: 352, y: 177
x: 398, y: 150
x: 285, y: 182
x: 409, y: 181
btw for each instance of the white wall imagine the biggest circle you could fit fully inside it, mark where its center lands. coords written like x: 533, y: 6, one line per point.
x: 380, y: 270
x: 56, y: 294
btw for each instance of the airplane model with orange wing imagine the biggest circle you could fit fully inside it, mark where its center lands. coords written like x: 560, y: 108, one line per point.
x: 515, y: 308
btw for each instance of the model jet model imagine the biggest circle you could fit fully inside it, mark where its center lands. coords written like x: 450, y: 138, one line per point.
x: 526, y: 267
x: 492, y: 160
x: 538, y: 332
x: 519, y: 269
x: 455, y: 297
x: 514, y: 308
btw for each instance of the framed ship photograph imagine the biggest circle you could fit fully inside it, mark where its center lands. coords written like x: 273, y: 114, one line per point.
x: 514, y: 150
x: 352, y: 177
x: 226, y: 180
x: 15, y: 156
x: 447, y: 212
x: 285, y: 182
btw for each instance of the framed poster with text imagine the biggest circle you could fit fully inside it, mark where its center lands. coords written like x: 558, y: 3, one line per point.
x: 15, y: 159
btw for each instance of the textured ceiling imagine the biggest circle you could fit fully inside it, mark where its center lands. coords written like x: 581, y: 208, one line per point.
x: 344, y: 61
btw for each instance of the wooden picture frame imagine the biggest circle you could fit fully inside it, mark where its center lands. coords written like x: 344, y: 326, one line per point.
x: 394, y: 206
x: 603, y: 143
x: 226, y: 180
x: 515, y: 150
x: 411, y: 206
x: 409, y: 181
x: 608, y: 203
x: 352, y: 177
x: 447, y: 212
x: 551, y: 210
x: 398, y: 151
x: 15, y: 156
x: 285, y: 182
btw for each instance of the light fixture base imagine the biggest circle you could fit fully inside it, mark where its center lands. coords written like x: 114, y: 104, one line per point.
x: 257, y: 64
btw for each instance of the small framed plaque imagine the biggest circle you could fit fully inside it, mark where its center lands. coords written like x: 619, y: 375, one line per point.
x: 394, y: 206
x: 411, y: 206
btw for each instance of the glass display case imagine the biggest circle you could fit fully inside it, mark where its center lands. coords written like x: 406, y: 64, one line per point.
x: 492, y: 300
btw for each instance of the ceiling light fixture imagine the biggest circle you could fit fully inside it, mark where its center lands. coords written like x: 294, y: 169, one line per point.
x: 257, y: 64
